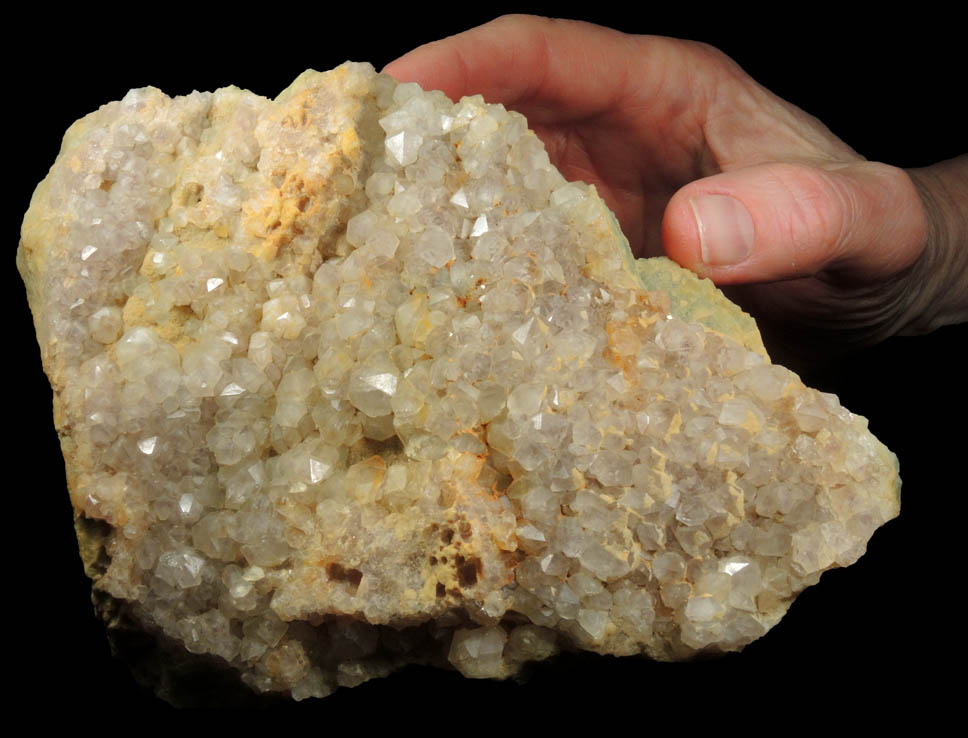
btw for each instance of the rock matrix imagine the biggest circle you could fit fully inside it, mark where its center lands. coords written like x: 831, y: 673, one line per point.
x: 355, y: 379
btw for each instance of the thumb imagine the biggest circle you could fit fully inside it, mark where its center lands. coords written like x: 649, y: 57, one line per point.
x: 771, y: 222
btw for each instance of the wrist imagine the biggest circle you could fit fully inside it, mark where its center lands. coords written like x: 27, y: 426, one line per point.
x: 938, y: 281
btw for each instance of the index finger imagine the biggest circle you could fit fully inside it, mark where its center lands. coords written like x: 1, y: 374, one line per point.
x: 550, y: 70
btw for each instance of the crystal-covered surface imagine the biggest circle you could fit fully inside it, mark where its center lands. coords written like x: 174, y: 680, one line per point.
x: 356, y: 378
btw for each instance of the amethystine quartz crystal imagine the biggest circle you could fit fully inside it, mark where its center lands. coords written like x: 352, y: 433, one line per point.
x: 355, y: 379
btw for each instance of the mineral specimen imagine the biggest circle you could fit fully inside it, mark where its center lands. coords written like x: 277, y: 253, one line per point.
x: 355, y: 379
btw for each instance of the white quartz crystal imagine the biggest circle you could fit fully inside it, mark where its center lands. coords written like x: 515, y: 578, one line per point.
x: 355, y: 378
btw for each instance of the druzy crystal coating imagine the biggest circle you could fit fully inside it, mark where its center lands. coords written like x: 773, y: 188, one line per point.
x: 355, y: 378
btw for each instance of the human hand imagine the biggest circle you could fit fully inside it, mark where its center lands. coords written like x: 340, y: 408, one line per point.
x: 828, y: 250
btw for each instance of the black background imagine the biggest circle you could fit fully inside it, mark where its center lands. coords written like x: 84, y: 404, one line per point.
x: 882, y: 636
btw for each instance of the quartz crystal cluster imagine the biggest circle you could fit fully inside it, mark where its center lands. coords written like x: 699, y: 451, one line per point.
x: 355, y: 379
